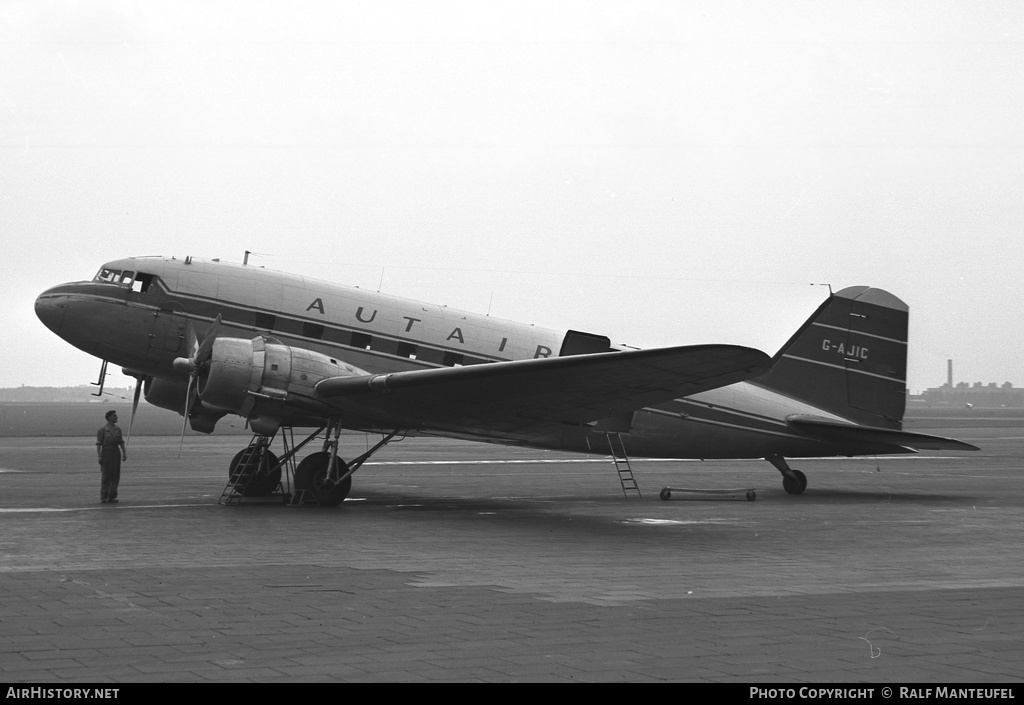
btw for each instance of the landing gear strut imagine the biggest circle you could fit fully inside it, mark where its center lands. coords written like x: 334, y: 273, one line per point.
x: 325, y: 475
x: 793, y: 481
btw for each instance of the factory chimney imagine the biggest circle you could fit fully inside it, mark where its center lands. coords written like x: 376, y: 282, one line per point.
x: 949, y: 373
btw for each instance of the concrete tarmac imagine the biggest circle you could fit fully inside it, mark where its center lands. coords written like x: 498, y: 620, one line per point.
x: 455, y: 561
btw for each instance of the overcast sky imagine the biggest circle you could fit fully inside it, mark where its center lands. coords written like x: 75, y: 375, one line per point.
x: 659, y: 172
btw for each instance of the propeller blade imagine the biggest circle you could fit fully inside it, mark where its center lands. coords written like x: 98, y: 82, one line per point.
x: 206, y: 347
x: 188, y: 408
x: 191, y: 339
x: 201, y: 352
x: 135, y: 407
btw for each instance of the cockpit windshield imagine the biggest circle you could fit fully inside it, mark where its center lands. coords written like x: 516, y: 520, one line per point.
x: 136, y: 281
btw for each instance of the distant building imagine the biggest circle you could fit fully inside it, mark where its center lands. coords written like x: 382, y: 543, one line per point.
x: 988, y: 395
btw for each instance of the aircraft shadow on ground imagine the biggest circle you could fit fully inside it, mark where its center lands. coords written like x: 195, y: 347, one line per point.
x: 840, y: 496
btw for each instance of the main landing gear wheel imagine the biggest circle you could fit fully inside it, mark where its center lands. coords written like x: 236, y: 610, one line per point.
x: 263, y: 483
x: 311, y: 475
x: 795, y: 483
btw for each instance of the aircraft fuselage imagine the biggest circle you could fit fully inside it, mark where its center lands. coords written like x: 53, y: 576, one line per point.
x: 137, y: 313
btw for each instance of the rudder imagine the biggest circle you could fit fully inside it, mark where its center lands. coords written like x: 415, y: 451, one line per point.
x: 849, y: 358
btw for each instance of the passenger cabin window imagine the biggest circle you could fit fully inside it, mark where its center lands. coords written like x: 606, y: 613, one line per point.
x: 265, y: 320
x: 361, y: 340
x: 313, y: 330
x: 453, y: 359
x: 407, y: 350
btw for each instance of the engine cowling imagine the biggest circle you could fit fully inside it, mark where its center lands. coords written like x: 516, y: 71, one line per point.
x: 165, y: 393
x: 171, y: 394
x: 267, y: 382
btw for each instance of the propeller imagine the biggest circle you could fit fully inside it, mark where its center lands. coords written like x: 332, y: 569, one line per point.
x: 135, y: 407
x: 201, y: 352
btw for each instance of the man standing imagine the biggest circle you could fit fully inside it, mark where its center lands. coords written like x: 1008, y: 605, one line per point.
x: 111, y: 451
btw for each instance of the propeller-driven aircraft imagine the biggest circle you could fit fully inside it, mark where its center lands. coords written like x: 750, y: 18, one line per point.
x: 210, y: 338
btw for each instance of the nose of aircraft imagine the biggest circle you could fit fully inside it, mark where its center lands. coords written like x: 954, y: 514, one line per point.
x: 50, y: 308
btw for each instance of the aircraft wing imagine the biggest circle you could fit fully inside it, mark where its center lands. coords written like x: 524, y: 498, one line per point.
x: 523, y: 397
x: 840, y: 432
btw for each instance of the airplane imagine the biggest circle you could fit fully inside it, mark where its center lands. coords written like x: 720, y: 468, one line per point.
x: 208, y: 338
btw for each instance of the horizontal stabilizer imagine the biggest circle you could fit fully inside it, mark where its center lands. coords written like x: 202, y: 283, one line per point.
x: 840, y: 432
x: 525, y: 396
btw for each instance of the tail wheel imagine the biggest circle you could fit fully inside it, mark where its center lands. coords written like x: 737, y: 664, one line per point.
x: 795, y: 483
x: 311, y: 475
x: 253, y: 476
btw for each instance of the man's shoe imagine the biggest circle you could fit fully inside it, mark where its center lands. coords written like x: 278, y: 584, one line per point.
x: 112, y: 501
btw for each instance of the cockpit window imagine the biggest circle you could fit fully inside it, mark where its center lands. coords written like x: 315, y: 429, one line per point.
x: 136, y: 281
x: 142, y: 282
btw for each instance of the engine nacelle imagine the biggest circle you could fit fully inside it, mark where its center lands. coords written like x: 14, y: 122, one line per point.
x: 267, y: 382
x: 165, y: 393
x: 171, y: 393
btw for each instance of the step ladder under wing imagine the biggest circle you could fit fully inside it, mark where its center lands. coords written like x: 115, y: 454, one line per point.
x: 622, y: 466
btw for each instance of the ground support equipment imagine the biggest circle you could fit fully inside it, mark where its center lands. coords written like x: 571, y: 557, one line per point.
x: 708, y: 495
x: 622, y: 466
x: 257, y: 473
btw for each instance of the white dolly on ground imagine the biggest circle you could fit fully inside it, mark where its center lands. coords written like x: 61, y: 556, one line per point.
x: 747, y: 494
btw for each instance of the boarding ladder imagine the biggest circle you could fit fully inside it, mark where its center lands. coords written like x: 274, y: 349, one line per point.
x: 245, y: 470
x: 622, y: 466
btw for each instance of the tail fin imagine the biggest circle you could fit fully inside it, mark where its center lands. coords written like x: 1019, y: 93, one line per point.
x: 849, y: 358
